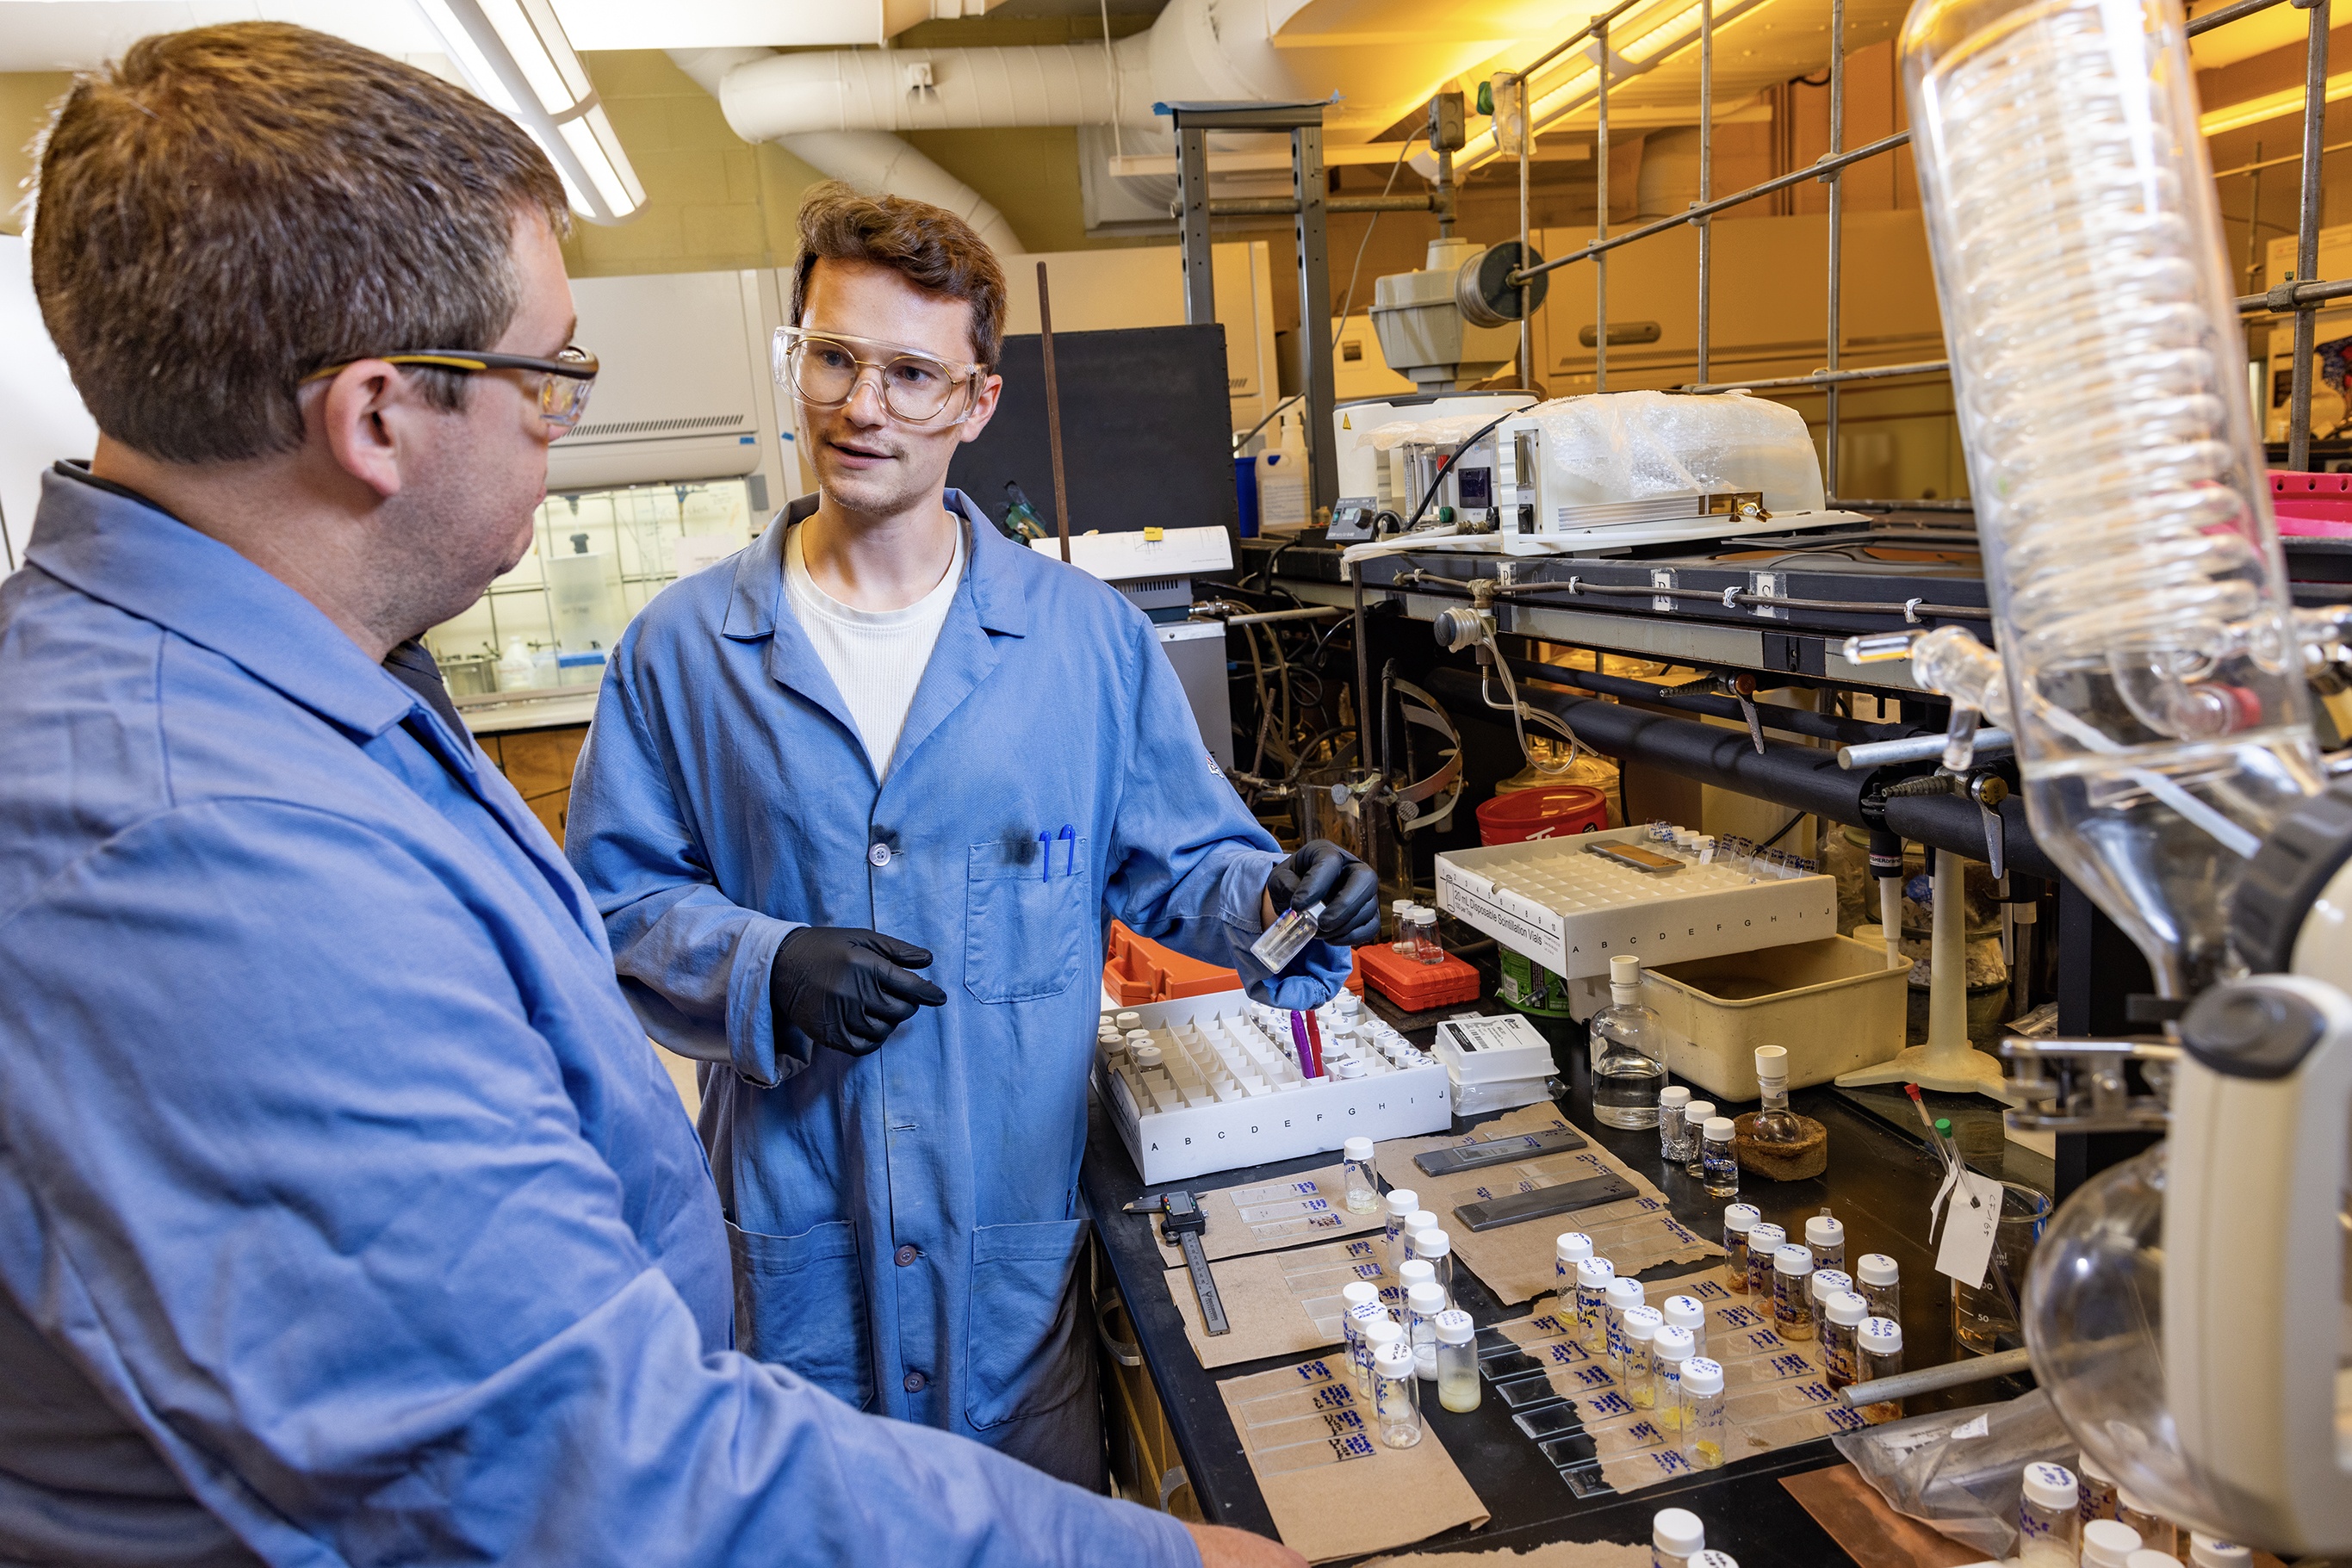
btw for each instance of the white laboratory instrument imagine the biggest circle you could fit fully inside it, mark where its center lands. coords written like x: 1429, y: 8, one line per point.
x: 1365, y: 433
x: 2186, y: 1310
x: 1453, y: 322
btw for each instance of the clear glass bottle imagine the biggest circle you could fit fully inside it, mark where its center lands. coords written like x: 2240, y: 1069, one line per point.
x: 1775, y: 1123
x: 1414, y: 1271
x: 1434, y: 1247
x: 1426, y: 944
x: 1696, y: 1116
x: 1286, y: 938
x: 1826, y: 1236
x: 1401, y: 928
x: 1669, y: 1348
x: 1675, y: 1537
x: 1637, y: 1370
x: 1621, y: 1294
x: 1736, y: 1220
x: 2049, y: 1532
x: 2157, y: 1533
x: 1823, y: 1284
x: 1457, y: 1361
x: 1719, y: 1166
x: 1674, y: 1132
x: 1359, y: 1301
x: 1764, y: 1239
x: 1842, y: 1318
x: 1629, y: 1059
x: 1363, y: 1185
x: 1378, y: 1334
x: 1688, y: 1314
x: 1423, y: 1302
x: 1878, y: 1353
x: 1402, y: 1203
x: 1880, y: 1281
x: 1568, y: 1248
x: 1702, y: 1433
x: 1396, y: 1396
x: 1793, y: 1292
x: 2108, y: 1543
x: 1593, y: 1278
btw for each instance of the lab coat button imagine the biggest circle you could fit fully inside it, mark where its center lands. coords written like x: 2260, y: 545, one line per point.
x: 915, y: 1382
x: 906, y: 1255
x: 879, y: 855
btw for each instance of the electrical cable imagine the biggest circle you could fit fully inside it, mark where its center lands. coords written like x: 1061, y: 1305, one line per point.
x: 1520, y: 712
x: 1783, y: 833
x: 1348, y: 299
x: 1438, y: 479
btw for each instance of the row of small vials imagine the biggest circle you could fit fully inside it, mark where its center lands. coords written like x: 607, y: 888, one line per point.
x: 2063, y: 1520
x: 1239, y: 1056
x: 1736, y: 854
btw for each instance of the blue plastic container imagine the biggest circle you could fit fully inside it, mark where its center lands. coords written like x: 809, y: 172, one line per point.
x: 1245, y: 491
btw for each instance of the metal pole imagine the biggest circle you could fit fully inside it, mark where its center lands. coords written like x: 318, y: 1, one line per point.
x: 1192, y: 223
x: 1315, y: 316
x: 2254, y: 227
x: 1527, y: 162
x: 1601, y: 222
x: 1837, y: 227
x: 1928, y: 1379
x: 2306, y: 237
x: 1053, y: 413
x: 1705, y: 170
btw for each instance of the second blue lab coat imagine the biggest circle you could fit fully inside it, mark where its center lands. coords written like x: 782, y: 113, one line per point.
x: 905, y: 1225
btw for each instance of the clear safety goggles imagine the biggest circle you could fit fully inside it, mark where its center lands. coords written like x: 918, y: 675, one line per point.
x: 562, y: 383
x: 822, y: 369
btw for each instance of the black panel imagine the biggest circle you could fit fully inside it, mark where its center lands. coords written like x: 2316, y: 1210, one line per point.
x: 1147, y: 431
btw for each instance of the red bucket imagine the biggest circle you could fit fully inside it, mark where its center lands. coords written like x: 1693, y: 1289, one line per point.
x: 1547, y: 811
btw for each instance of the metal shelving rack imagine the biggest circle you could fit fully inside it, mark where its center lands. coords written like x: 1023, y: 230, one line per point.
x: 2299, y: 299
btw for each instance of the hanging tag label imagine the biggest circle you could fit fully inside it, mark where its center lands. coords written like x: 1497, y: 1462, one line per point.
x: 1968, y: 1224
x: 1936, y: 1204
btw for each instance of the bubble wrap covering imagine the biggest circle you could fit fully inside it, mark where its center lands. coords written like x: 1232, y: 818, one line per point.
x: 1632, y: 446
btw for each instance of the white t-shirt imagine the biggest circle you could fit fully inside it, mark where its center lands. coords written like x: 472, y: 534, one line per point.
x: 875, y: 657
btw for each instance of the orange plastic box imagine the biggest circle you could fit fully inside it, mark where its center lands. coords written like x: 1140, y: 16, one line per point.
x: 1136, y: 970
x: 1412, y: 985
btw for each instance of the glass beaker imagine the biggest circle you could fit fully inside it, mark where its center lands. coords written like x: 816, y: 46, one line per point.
x: 1985, y: 1317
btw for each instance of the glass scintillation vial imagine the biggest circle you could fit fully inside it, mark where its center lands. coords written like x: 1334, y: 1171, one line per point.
x: 1738, y: 1218
x: 1568, y: 1248
x: 1378, y: 1334
x: 1669, y: 1348
x: 1793, y: 1292
x: 1593, y: 1278
x: 1677, y: 1536
x: 1396, y: 1396
x: 1718, y: 1166
x: 1841, y: 1319
x: 1457, y: 1361
x: 1403, y: 1201
x: 1826, y: 1234
x: 2049, y: 1532
x: 1696, y: 1116
x: 1878, y: 1353
x: 1764, y: 1239
x: 1423, y: 1302
x: 1823, y: 1284
x: 2108, y: 1543
x: 1363, y: 1187
x: 1702, y: 1433
x: 1621, y: 1294
x: 1675, y: 1131
x: 1688, y: 1314
x: 1637, y: 1372
x: 1880, y: 1280
x: 1434, y: 1247
x: 1359, y: 1302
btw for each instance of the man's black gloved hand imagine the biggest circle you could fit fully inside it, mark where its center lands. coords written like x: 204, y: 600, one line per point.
x: 1322, y: 872
x: 848, y: 988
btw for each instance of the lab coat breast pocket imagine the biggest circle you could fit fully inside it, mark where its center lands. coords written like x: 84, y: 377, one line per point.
x: 1027, y: 915
x: 1018, y: 1354
x: 800, y: 1302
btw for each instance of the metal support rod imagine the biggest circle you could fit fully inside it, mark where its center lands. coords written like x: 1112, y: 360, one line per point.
x: 1837, y: 228
x: 1830, y: 378
x: 2306, y: 243
x: 1325, y: 611
x: 1527, y: 162
x: 1367, y: 735
x: 1917, y: 748
x: 1192, y: 224
x: 1705, y: 172
x: 1601, y: 219
x: 1597, y: 28
x: 1928, y: 1379
x: 2289, y: 297
x: 1315, y: 307
x: 1053, y: 413
x: 1284, y: 206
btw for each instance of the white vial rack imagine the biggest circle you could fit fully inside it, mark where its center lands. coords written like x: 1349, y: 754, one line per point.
x: 1573, y: 911
x: 1228, y: 1091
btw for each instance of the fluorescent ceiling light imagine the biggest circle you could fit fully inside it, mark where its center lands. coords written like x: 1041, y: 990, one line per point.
x: 2270, y: 106
x: 514, y: 54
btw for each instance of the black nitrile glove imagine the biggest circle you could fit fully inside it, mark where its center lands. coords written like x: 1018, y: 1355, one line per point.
x: 1322, y: 872
x: 848, y: 989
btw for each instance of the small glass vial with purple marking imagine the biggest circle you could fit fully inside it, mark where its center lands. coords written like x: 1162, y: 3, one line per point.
x: 1764, y: 1239
x: 1363, y: 1187
x: 1738, y: 1218
x: 1396, y: 1395
x: 1793, y: 1292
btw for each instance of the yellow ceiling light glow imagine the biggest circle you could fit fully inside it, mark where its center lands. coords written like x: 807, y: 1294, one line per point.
x: 1645, y: 45
x: 2270, y: 106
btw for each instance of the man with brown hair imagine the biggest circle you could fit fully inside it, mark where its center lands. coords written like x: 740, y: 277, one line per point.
x: 886, y: 776
x: 345, y: 1215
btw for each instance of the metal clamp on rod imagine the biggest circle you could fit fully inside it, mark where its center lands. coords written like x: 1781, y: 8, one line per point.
x: 2087, y: 1092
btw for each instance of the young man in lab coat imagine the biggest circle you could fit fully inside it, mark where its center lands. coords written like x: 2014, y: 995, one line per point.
x: 345, y: 1215
x: 857, y: 807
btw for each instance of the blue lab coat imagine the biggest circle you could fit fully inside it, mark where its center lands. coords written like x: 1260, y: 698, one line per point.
x: 906, y: 1224
x: 345, y: 1215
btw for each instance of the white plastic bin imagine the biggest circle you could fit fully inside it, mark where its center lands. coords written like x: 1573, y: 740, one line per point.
x: 1834, y: 1003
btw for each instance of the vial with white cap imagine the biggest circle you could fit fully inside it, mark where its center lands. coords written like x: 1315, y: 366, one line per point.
x: 1792, y: 1293
x: 1360, y: 1303
x: 1764, y: 1239
x: 1673, y: 1131
x: 1774, y: 1122
x: 1842, y: 1319
x: 1457, y: 1361
x: 1878, y: 1353
x: 1401, y: 910
x: 1702, y: 1433
x: 1738, y: 1218
x: 1363, y: 1187
x: 2148, y: 1557
x: 1669, y: 1348
x: 2049, y: 1533
x: 1620, y: 1295
x: 2208, y: 1551
x: 2108, y: 1543
x: 1401, y: 1202
x: 1378, y: 1334
x: 1286, y: 938
x: 1419, y: 1220
x: 1396, y: 1396
x: 1637, y: 1372
x: 1629, y: 1057
x: 1826, y: 1236
x: 1675, y: 1537
x: 1719, y: 1166
x: 1694, y: 1117
x: 1711, y: 1558
x: 1686, y: 1312
x: 1568, y: 1248
x: 2157, y: 1533
x: 1594, y: 1276
x: 1822, y: 1284
x: 1129, y: 1021
x: 1880, y: 1281
x: 1434, y: 1247
x: 1423, y: 1302
x: 1416, y: 1272
x: 2099, y: 1495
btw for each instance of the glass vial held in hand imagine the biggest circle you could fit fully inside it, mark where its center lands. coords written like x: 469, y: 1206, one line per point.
x: 1737, y: 1220
x: 1629, y: 1059
x: 2049, y: 1532
x: 1457, y: 1361
x: 1718, y: 1167
x: 1363, y: 1187
x: 1396, y: 1396
x: 1286, y: 937
x: 1702, y: 1428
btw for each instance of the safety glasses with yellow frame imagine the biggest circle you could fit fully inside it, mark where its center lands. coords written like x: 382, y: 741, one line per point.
x: 825, y: 368
x: 564, y: 382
